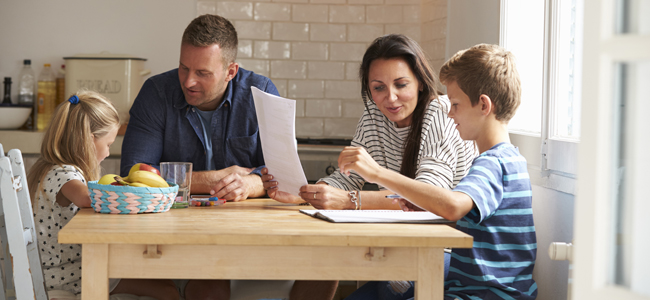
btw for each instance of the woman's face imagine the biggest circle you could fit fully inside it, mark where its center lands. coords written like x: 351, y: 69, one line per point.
x: 394, y: 88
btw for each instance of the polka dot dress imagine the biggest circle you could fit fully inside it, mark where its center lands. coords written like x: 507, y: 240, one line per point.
x: 61, y: 262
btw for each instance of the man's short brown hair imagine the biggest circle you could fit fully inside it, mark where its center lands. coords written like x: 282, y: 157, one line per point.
x: 208, y: 30
x: 486, y: 70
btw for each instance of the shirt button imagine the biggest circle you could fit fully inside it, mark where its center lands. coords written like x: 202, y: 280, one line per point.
x: 193, y: 110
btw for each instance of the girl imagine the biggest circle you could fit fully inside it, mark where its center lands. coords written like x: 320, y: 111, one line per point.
x: 76, y: 142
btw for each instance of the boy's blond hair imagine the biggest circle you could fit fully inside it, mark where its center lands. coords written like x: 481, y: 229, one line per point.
x: 486, y: 69
x: 69, y: 140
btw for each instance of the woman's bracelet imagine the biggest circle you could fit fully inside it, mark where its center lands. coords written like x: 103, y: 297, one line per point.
x: 359, y: 200
x: 354, y: 199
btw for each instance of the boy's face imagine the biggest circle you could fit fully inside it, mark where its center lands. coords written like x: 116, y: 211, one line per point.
x: 394, y: 88
x: 466, y: 116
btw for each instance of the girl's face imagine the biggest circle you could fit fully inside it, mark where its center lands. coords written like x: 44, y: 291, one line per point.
x: 394, y: 88
x: 103, y: 144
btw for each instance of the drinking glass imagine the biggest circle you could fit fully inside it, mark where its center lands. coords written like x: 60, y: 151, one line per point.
x: 179, y: 173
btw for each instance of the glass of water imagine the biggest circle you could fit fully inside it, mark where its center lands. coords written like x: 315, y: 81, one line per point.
x: 179, y: 173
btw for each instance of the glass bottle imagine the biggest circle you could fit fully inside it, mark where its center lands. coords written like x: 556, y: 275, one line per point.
x: 7, y: 97
x: 26, y: 91
x: 60, y: 86
x: 46, y: 94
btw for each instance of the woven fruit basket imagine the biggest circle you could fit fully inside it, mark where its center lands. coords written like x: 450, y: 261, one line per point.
x: 115, y: 199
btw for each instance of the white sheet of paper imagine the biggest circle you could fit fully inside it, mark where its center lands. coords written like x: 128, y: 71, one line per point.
x: 276, y: 118
x: 375, y: 216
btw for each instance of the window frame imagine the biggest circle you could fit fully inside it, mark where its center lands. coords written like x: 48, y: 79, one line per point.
x: 554, y: 158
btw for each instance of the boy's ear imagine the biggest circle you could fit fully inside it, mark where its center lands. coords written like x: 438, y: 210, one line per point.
x: 486, y: 104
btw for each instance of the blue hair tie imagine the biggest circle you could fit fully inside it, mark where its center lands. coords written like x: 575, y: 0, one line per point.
x: 74, y: 99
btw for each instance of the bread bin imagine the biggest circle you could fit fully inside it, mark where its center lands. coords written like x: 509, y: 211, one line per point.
x: 119, y: 77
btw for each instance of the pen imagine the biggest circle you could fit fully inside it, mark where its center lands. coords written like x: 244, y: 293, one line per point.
x: 394, y: 196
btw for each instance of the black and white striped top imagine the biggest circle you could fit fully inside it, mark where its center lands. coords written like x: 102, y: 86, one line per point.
x: 444, y: 157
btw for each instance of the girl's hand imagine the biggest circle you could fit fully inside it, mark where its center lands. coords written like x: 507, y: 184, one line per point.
x: 358, y: 159
x: 271, y: 187
x: 323, y: 196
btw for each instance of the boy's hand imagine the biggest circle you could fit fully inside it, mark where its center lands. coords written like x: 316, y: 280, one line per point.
x: 406, y: 205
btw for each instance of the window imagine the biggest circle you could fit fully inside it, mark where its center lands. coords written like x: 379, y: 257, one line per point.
x: 546, y: 38
x: 611, y: 208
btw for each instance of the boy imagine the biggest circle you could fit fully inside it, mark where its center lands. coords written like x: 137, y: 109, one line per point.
x: 493, y: 203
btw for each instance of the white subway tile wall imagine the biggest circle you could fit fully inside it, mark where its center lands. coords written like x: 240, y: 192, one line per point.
x: 311, y: 49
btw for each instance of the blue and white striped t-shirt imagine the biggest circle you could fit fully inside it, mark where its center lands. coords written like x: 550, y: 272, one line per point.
x: 500, y: 264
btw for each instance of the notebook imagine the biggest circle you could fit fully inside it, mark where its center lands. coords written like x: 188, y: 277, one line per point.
x: 375, y: 216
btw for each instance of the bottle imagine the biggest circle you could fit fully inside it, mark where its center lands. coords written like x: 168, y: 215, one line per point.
x: 60, y: 86
x: 26, y: 88
x: 46, y: 94
x: 7, y: 97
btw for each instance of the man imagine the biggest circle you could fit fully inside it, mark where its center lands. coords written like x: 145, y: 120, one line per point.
x: 203, y: 112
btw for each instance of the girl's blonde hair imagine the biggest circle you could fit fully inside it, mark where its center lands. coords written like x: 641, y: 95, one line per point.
x: 69, y: 140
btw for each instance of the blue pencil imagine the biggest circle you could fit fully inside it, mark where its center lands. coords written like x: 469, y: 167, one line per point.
x: 394, y: 196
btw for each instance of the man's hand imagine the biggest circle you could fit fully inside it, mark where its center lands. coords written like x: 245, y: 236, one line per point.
x: 271, y: 187
x: 238, y: 170
x: 234, y: 187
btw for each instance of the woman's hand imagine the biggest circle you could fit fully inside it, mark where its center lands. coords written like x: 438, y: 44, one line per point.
x: 358, y: 159
x: 323, y: 196
x: 271, y: 187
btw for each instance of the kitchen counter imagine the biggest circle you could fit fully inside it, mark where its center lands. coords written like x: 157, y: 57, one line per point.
x: 29, y: 142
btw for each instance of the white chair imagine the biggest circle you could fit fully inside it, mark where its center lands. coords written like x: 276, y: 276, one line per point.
x: 19, y: 226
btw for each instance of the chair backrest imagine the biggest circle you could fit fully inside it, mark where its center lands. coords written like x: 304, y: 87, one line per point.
x: 19, y: 224
x: 5, y: 262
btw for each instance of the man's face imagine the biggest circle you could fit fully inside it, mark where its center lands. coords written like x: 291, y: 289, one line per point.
x: 203, y: 76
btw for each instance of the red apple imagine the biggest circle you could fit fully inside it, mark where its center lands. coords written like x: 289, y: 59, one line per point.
x: 144, y: 167
x: 116, y: 183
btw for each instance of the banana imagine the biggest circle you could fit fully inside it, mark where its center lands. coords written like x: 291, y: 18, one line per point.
x: 138, y: 184
x: 121, y: 180
x: 148, y: 178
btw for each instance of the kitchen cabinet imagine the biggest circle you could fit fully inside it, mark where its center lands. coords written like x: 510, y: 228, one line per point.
x: 29, y: 142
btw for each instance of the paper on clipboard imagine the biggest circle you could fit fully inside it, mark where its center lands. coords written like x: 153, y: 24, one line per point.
x: 375, y: 216
x: 276, y: 118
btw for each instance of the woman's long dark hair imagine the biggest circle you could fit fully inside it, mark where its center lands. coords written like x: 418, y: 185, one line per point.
x: 401, y: 46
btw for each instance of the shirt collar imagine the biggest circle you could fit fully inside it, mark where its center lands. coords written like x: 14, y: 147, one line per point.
x: 180, y: 103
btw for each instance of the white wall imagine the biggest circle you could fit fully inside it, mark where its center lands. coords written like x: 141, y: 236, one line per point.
x: 553, y: 213
x: 47, y: 31
x: 311, y: 49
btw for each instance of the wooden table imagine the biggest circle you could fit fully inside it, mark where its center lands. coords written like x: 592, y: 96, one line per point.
x: 256, y: 239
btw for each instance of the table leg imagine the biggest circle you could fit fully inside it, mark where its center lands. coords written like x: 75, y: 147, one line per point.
x: 431, y: 274
x: 94, y: 271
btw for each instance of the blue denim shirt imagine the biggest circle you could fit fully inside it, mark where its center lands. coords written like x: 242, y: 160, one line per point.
x: 163, y: 127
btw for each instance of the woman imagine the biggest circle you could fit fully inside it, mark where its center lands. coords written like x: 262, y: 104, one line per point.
x: 404, y: 128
